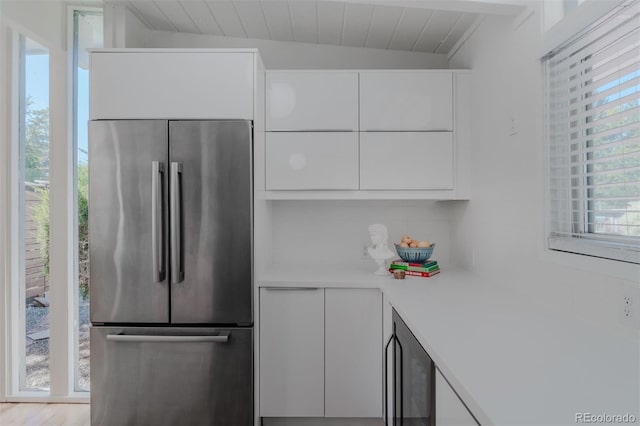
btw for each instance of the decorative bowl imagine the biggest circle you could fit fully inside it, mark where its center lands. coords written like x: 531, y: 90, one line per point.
x: 415, y: 254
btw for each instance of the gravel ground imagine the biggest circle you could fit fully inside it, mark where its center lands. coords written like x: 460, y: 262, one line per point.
x: 37, y: 351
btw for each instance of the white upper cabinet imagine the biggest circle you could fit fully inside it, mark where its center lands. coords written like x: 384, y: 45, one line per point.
x: 406, y: 101
x: 406, y: 160
x: 172, y: 85
x: 368, y: 134
x: 314, y: 100
x: 311, y: 160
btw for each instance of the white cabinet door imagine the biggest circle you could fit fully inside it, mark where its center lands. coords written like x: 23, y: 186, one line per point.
x: 312, y: 101
x: 188, y: 85
x: 406, y: 160
x: 406, y: 101
x: 299, y: 160
x: 353, y: 355
x: 450, y: 411
x: 291, y: 352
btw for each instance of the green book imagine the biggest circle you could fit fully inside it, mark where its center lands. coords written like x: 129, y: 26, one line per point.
x: 415, y: 268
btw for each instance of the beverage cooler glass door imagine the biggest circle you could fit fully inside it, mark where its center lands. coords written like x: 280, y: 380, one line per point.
x: 211, y: 222
x: 128, y: 177
x: 414, y: 379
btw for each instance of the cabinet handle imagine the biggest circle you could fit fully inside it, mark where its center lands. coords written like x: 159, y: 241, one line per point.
x: 314, y: 131
x: 290, y: 288
x: 386, y: 398
x: 401, y: 384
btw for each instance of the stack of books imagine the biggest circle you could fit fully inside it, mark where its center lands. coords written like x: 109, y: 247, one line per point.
x: 427, y: 269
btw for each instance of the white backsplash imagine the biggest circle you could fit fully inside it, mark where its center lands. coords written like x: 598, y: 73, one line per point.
x: 332, y: 232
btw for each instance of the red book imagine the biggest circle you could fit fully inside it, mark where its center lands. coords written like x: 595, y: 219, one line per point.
x: 420, y: 274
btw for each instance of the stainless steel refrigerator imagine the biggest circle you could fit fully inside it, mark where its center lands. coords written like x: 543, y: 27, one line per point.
x: 170, y: 242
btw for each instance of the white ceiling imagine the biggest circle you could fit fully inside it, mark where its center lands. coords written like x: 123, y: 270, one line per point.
x: 355, y: 23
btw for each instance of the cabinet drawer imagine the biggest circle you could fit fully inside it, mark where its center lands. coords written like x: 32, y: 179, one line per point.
x: 312, y: 101
x: 171, y: 85
x: 406, y: 160
x: 323, y: 160
x: 406, y: 101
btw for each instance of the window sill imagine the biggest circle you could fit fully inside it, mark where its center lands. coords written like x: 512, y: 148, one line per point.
x: 613, y: 268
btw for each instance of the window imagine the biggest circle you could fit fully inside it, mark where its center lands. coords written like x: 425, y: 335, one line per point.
x: 41, y: 325
x: 593, y: 127
x: 33, y: 216
x: 87, y: 34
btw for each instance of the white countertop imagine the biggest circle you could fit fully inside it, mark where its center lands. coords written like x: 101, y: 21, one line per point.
x: 510, y: 361
x: 358, y: 275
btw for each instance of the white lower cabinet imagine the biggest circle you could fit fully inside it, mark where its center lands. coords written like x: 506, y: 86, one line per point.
x: 450, y: 411
x: 312, y: 161
x: 353, y: 359
x: 320, y: 352
x: 406, y: 160
x: 291, y: 352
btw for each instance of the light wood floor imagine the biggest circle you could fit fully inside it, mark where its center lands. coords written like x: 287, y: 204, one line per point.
x: 28, y: 414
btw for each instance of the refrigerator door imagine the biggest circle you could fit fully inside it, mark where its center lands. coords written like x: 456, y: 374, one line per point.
x: 128, y: 242
x: 171, y: 376
x: 211, y: 222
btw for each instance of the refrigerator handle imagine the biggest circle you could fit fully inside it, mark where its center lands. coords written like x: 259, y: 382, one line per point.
x: 152, y: 338
x: 175, y: 211
x: 157, y: 222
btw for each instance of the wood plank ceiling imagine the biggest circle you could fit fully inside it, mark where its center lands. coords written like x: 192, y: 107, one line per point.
x: 310, y: 21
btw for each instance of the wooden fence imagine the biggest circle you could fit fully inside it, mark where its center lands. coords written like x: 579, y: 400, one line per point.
x: 36, y: 280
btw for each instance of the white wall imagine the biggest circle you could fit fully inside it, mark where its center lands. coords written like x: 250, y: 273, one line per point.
x: 501, y: 232
x: 135, y: 32
x: 335, y: 232
x: 289, y: 55
x: 43, y: 21
x: 122, y: 28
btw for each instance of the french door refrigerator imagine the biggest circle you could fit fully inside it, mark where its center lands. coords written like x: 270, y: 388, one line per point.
x: 170, y: 236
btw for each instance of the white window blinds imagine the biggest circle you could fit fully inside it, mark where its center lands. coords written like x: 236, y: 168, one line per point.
x: 593, y: 127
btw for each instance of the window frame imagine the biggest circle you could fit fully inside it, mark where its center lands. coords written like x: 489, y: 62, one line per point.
x: 62, y: 178
x: 73, y: 114
x: 589, y: 243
